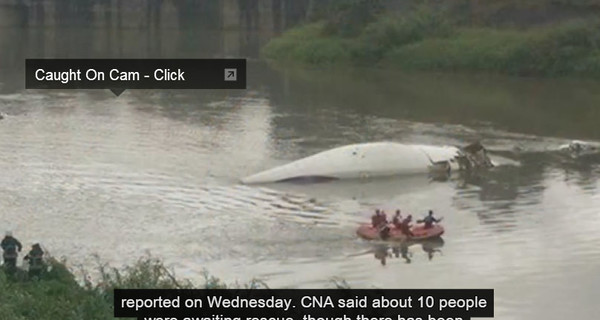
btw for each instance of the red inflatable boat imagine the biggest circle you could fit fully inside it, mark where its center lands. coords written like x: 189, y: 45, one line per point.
x: 367, y: 231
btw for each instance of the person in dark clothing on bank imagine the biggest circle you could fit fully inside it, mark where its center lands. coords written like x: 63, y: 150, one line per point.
x: 11, y: 247
x: 35, y: 257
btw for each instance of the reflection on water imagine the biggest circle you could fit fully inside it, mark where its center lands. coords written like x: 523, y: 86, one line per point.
x: 566, y: 108
x: 142, y: 29
x: 405, y: 250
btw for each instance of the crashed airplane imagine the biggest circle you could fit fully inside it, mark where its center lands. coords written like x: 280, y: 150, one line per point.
x: 377, y: 159
x: 577, y: 148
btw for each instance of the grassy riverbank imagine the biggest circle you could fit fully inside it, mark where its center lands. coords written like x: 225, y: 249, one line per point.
x: 59, y: 295
x: 438, y: 39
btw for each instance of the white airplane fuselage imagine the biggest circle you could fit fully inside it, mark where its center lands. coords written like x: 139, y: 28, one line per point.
x: 375, y: 159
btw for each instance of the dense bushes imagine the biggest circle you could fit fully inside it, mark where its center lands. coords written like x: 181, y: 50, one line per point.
x: 389, y: 32
x: 58, y: 294
x: 568, y: 49
x: 307, y: 44
x: 433, y: 39
x: 316, y: 43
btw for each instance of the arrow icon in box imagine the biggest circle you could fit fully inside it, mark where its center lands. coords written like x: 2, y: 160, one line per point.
x: 230, y: 74
x: 117, y: 92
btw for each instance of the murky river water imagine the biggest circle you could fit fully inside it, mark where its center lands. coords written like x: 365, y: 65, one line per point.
x: 86, y: 173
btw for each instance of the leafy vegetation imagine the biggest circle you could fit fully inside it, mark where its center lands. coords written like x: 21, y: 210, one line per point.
x: 567, y: 49
x: 57, y: 294
x: 448, y: 38
x: 307, y: 45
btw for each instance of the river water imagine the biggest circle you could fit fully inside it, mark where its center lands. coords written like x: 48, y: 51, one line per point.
x: 85, y: 173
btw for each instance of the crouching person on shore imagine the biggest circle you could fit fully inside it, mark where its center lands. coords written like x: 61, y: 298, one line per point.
x: 35, y: 257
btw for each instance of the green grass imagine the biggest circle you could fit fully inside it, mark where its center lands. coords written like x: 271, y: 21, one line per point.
x: 59, y: 295
x: 432, y: 40
x: 568, y: 49
x: 307, y: 45
x: 391, y: 31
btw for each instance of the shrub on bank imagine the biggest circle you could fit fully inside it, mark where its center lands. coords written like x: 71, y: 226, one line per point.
x: 307, y: 44
x: 392, y: 31
x: 569, y: 49
x: 58, y: 294
x: 428, y: 39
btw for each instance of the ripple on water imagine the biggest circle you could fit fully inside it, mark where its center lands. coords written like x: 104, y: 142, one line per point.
x: 87, y: 174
